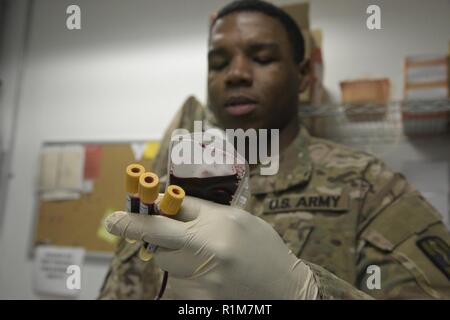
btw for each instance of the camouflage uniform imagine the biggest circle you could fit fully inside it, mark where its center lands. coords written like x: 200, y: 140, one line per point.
x: 340, y: 210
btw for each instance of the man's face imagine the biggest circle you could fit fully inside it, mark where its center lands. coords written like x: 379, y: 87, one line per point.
x: 253, y: 80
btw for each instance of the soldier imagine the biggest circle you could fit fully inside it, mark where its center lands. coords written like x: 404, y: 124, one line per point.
x: 315, y: 230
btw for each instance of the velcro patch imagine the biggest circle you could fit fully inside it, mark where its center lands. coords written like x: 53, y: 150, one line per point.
x: 305, y: 202
x: 438, y: 251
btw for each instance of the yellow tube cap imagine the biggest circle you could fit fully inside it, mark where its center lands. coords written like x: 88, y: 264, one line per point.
x: 145, y: 254
x: 171, y: 201
x: 133, y: 172
x: 148, y: 187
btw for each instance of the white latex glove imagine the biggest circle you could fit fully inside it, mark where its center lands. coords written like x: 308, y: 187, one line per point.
x: 219, y: 252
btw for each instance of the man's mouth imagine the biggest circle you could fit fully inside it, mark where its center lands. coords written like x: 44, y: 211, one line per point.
x: 240, y: 105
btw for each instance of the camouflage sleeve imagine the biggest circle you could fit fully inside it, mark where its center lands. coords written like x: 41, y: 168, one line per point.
x: 402, y: 240
x: 128, y: 277
x: 332, y: 287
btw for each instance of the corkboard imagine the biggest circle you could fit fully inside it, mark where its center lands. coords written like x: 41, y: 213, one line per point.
x: 77, y: 222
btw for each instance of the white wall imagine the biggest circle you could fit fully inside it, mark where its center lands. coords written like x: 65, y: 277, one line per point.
x: 123, y: 75
x: 352, y: 51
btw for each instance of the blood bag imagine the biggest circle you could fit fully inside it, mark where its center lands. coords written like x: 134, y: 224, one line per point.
x: 207, y: 166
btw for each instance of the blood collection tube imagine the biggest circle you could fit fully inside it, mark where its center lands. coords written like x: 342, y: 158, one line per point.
x: 132, y: 203
x: 171, y: 202
x: 148, y: 193
x: 169, y: 206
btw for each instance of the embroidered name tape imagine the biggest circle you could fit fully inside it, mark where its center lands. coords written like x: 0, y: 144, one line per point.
x: 304, y: 202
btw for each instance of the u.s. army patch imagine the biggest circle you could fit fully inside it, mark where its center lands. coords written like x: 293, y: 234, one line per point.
x: 438, y: 251
x: 307, y: 202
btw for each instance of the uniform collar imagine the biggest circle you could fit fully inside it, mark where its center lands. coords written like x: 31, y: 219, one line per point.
x: 295, y: 168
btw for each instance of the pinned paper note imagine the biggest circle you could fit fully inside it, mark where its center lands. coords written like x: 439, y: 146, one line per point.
x: 60, y: 195
x: 93, y: 153
x: 62, y: 170
x: 88, y: 186
x: 71, y: 169
x: 151, y: 150
x: 49, y: 168
x: 57, y: 271
x: 138, y: 150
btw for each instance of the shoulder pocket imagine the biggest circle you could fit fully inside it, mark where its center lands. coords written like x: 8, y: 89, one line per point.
x: 402, y: 219
x: 400, y: 230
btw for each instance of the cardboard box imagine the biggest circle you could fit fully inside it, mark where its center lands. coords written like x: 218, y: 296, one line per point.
x: 448, y: 69
x: 365, y: 91
x: 426, y: 77
x: 448, y: 75
x: 313, y: 51
x: 362, y: 92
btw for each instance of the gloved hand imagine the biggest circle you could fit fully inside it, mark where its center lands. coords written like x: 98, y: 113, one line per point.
x: 214, y: 251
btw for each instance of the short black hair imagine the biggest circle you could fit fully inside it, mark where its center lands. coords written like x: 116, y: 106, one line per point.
x: 292, y: 29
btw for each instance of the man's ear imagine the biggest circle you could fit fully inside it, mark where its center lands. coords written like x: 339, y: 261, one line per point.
x: 304, y: 70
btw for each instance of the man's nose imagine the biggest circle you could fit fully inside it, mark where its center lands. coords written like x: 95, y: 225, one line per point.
x: 240, y: 73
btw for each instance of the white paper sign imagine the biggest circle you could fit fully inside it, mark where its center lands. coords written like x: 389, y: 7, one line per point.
x: 57, y: 271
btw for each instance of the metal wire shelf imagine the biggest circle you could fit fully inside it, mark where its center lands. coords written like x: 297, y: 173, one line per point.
x: 370, y: 122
